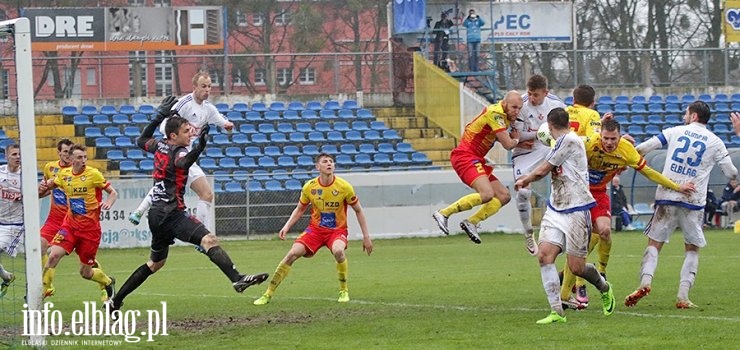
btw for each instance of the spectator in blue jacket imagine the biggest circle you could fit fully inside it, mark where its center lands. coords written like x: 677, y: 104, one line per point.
x: 473, y: 24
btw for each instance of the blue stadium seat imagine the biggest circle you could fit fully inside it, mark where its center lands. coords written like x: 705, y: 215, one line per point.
x: 272, y: 116
x: 272, y: 151
x: 348, y: 148
x: 303, y: 127
x: 327, y: 114
x: 344, y: 160
x: 277, y: 106
x: 672, y: 99
x: 286, y: 162
x: 605, y: 100
x: 131, y: 131
x: 120, y: 119
x: 291, y: 115
x: 241, y: 174
x: 722, y: 107
x: 146, y: 165
x: 273, y: 185
x: 222, y: 176
x: 316, y: 136
x: 127, y: 109
x: 112, y: 131
x: 240, y: 139
x: 322, y: 126
x: 214, y: 152
x: 295, y: 106
x: 378, y: 125
x: 721, y: 129
x: 688, y: 98
x: 346, y: 114
x: 291, y: 150
x: 330, y: 149
x: 722, y: 118
x: 655, y: 119
x: 89, y: 110
x: 247, y: 128
x: 115, y: 154
x: 266, y: 162
x: 420, y: 157
x: 81, y: 119
x: 266, y: 128
x: 334, y: 136
x: 655, y: 108
x: 304, y: 161
x: 391, y: 135
x: 124, y: 142
x: 367, y: 148
x: 101, y: 119
x: 622, y: 109
x: 568, y: 100
x: 147, y: 109
x: 639, y: 99
x: 222, y: 108
x: 621, y: 99
x: 309, y: 114
x: 260, y: 139
x: 313, y: 105
x: 655, y: 99
x: 240, y: 107
x: 247, y: 163
x: 401, y: 158
x: 297, y: 137
x: 139, y: 118
x: 382, y: 159
x: 261, y: 175
x: 293, y: 185
x: 103, y: 142
x: 672, y: 119
x: 638, y: 119
x: 342, y: 126
x: 363, y: 159
x: 208, y: 164
x: 360, y: 125
x: 350, y: 104
x: 233, y: 186
x: 128, y: 166
x: 353, y: 135
x: 363, y: 113
x: 652, y: 130
x: 672, y: 108
x: 705, y: 98
x: 635, y: 130
x: 404, y: 147
x: 253, y: 116
x: 255, y: 186
x: 385, y: 147
x: 227, y: 163
x: 281, y: 174
x: 234, y: 152
x: 285, y: 127
x: 135, y: 154
x: 638, y: 108
x: 723, y: 98
x: 331, y: 104
x: 235, y: 116
x: 310, y: 150
x: 69, y: 110
x: 604, y: 108
x: 253, y: 151
x: 221, y: 140
x: 108, y: 109
x: 259, y: 107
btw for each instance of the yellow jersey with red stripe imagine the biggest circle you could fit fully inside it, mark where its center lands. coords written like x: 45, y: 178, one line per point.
x: 480, y: 134
x: 584, y: 121
x: 603, y: 165
x: 58, y: 206
x: 84, y: 194
x: 329, y: 203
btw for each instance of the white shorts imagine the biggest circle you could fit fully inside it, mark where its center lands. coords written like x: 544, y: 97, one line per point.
x: 525, y: 163
x: 195, y: 172
x: 571, y: 231
x: 667, y: 218
x: 11, y: 238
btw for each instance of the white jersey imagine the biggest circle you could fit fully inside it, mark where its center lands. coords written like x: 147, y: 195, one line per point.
x: 570, y: 191
x: 197, y: 114
x: 11, y: 205
x: 693, y: 151
x: 531, y: 117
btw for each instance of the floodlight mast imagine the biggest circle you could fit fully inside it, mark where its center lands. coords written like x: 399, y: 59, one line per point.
x: 20, y: 28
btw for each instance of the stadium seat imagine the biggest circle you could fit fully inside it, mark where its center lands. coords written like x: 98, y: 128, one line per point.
x: 310, y: 150
x: 240, y: 107
x: 655, y: 119
x: 723, y: 98
x: 367, y: 148
x: 146, y: 165
x: 722, y: 107
x: 277, y: 106
x: 382, y: 159
x: 638, y: 119
x: 255, y: 186
x: 363, y: 159
x: 234, y: 152
x: 332, y: 105
x: 297, y: 137
x: 69, y: 110
x: 655, y: 99
x: 135, y: 154
x: 605, y: 100
x: 221, y: 140
x: 285, y: 128
x: 102, y: 142
x: 266, y: 162
x: 131, y: 131
x: 291, y: 115
x: 348, y: 148
x: 81, y: 119
x: 259, y: 107
x: 120, y: 119
x: 344, y: 160
x: 313, y: 105
x: 286, y: 162
x: 366, y: 114
x: 280, y: 174
x: 101, y: 120
x: 123, y: 142
x: 401, y: 158
x: 386, y: 148
x: 309, y: 114
x: 234, y: 116
x: 346, y: 114
x: 639, y: 99
x: 688, y: 98
x: 623, y: 120
x: 266, y: 128
x: 147, y: 109
x: 672, y: 119
x: 635, y: 130
x: 112, y: 131
x: 720, y: 129
x: 241, y: 174
x: 293, y: 185
x: 295, y: 106
x: 253, y: 117
x: 272, y: 116
x: 291, y: 150
x: 360, y: 125
x: 655, y: 108
x: 378, y: 125
x: 353, y: 135
x: 240, y: 139
x: 233, y: 186
x: 304, y: 161
x: 322, y: 126
x: 652, y: 130
x: 334, y: 136
x: 139, y: 118
x: 273, y: 185
x: 227, y: 163
x: 89, y: 110
x: 342, y: 126
x: 128, y: 166
x: 115, y: 154
x: 316, y: 136
x: 260, y: 139
x: 222, y: 176
x: 706, y: 98
x: 108, y: 110
x: 272, y: 151
x: 127, y: 109
x: 329, y: 148
x: 222, y: 108
x: 621, y: 99
x: 208, y: 164
x: 568, y: 100
x: 247, y: 163
x: 247, y: 128
x: 253, y: 151
x: 327, y: 114
x: 638, y: 108
x: 404, y: 147
x: 722, y: 118
x: 622, y: 109
x: 672, y: 108
x: 672, y: 99
x: 604, y: 108
x: 350, y: 104
x: 420, y: 157
x: 214, y: 152
x: 391, y: 135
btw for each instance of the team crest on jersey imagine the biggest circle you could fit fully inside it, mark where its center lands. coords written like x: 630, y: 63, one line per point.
x: 83, y: 177
x: 313, y: 191
x: 320, y: 191
x: 335, y: 192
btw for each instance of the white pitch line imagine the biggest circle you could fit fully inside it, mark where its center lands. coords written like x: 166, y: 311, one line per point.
x: 456, y: 307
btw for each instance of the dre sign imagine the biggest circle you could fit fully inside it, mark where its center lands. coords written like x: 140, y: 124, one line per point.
x: 67, y: 25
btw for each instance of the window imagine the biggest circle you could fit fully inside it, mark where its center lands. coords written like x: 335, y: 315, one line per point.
x: 137, y: 73
x: 236, y: 77
x: 3, y: 15
x: 258, y: 18
x: 5, y: 87
x: 285, y: 76
x: 307, y: 76
x: 214, y: 77
x: 259, y: 76
x: 163, y: 73
x: 283, y: 18
x: 91, y: 77
x: 50, y: 79
x: 137, y: 2
x: 241, y: 18
x: 162, y: 3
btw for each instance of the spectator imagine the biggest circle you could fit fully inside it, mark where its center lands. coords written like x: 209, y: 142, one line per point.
x: 710, y: 209
x: 730, y: 197
x: 442, y: 39
x: 473, y: 23
x: 619, y: 206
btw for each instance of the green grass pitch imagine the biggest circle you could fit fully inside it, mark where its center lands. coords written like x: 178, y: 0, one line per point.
x: 430, y: 293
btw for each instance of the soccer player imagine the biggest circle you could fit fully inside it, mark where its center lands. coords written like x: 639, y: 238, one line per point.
x: 468, y: 160
x: 537, y: 102
x: 167, y: 216
x: 608, y: 153
x: 80, y: 231
x: 584, y: 121
x: 566, y: 225
x: 329, y: 196
x: 57, y: 208
x: 11, y: 211
x: 196, y: 108
x: 693, y: 150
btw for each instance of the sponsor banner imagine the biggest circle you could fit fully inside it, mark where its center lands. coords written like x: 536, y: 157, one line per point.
x: 126, y: 28
x: 731, y: 21
x: 409, y: 16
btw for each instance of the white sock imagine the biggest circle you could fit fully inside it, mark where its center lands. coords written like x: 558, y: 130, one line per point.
x: 524, y: 207
x: 648, y: 266
x: 551, y: 283
x: 688, y: 274
x: 4, y: 274
x: 202, y: 210
x: 145, y: 204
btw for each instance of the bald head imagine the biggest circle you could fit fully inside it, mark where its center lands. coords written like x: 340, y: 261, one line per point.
x: 512, y: 104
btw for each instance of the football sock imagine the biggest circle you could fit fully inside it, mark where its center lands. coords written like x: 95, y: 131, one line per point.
x: 202, y: 210
x: 524, y: 207
x: 550, y: 282
x: 593, y: 241
x: 48, y: 277
x: 100, y: 277
x: 569, y: 280
x: 648, y: 266
x: 146, y: 203
x: 342, y: 274
x: 280, y: 273
x: 219, y: 257
x: 591, y: 275
x: 4, y: 274
x: 134, y: 281
x: 605, y: 247
x: 485, y: 211
x: 465, y: 203
x: 688, y: 274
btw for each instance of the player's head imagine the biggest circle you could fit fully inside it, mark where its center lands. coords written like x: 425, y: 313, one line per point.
x: 13, y: 154
x: 512, y: 104
x: 178, y: 130
x: 325, y: 163
x: 63, y: 150
x: 615, y: 181
x: 584, y: 95
x: 697, y: 111
x: 78, y: 155
x: 201, y: 86
x: 558, y: 120
x: 537, y: 89
x: 610, y: 135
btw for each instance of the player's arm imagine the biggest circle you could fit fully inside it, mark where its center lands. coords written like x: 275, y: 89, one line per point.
x: 728, y: 169
x: 110, y: 199
x: 294, y: 216
x: 189, y: 158
x: 539, y: 172
x: 214, y: 117
x: 508, y: 140
x: 650, y: 145
x: 367, y: 244
x: 145, y: 141
x: 660, y: 179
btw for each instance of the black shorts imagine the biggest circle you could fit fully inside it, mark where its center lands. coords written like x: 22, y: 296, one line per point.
x: 168, y: 226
